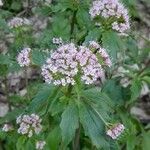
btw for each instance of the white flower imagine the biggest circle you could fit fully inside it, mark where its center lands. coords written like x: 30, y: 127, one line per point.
x: 111, y: 8
x: 7, y: 127
x: 23, y: 57
x: 116, y: 131
x: 29, y: 124
x: 40, y: 145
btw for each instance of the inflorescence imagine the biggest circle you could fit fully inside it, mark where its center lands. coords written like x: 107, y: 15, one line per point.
x: 23, y: 57
x: 116, y: 131
x: 113, y: 11
x: 29, y: 124
x: 7, y: 127
x: 18, y: 22
x: 40, y: 145
x: 68, y: 60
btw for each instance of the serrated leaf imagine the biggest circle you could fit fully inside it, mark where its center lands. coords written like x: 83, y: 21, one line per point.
x: 38, y: 57
x: 114, y: 91
x: 146, y: 141
x: 94, y: 34
x: 41, y: 97
x: 93, y: 126
x: 69, y: 123
x: 135, y: 89
x: 83, y: 18
x: 54, y: 139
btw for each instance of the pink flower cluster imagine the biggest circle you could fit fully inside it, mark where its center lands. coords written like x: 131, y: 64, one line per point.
x: 116, y: 131
x: 91, y: 70
x: 103, y: 53
x: 40, y: 145
x: 62, y: 66
x: 57, y: 40
x: 113, y: 11
x: 68, y: 60
x: 17, y: 22
x: 29, y: 124
x: 23, y: 57
x: 7, y: 128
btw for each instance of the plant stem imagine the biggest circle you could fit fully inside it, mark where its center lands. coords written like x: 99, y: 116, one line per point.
x: 26, y: 82
x: 72, y: 24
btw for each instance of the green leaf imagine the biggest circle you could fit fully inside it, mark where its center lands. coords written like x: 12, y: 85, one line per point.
x: 112, y: 43
x: 146, y: 141
x: 54, y: 139
x: 41, y: 97
x: 114, y: 91
x: 93, y: 34
x: 20, y: 143
x: 135, y: 89
x: 61, y: 29
x: 83, y: 18
x: 38, y: 57
x: 16, y: 5
x: 93, y: 126
x: 5, y: 59
x: 69, y: 123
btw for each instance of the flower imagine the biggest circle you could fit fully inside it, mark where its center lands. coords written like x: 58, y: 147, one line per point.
x: 29, y: 124
x: 105, y: 56
x: 17, y: 22
x: 69, y: 60
x: 23, y: 57
x: 61, y: 67
x: 116, y: 131
x: 40, y: 145
x: 113, y: 11
x: 7, y: 128
x: 91, y: 70
x: 57, y: 40
x: 103, y: 53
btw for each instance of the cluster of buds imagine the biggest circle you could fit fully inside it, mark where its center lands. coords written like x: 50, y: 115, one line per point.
x: 40, y: 145
x: 69, y: 60
x: 7, y: 128
x: 113, y: 11
x: 18, y: 22
x: 116, y: 131
x: 23, y: 57
x: 29, y: 124
x: 103, y: 53
x: 57, y: 40
x: 91, y: 70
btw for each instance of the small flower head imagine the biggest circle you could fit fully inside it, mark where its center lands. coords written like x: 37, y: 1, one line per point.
x: 62, y: 66
x: 23, y: 57
x: 40, y: 145
x: 111, y: 10
x: 7, y: 128
x: 116, y: 131
x: 29, y: 124
x: 57, y: 41
x: 18, y: 22
x: 69, y: 60
x: 91, y: 70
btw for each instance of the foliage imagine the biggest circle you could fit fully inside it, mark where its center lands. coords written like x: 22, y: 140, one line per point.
x: 73, y: 117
